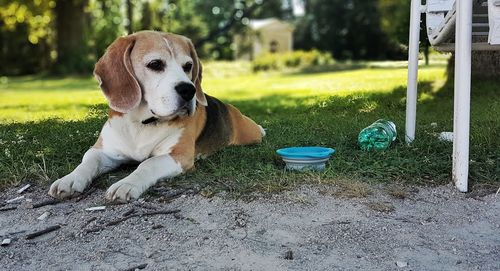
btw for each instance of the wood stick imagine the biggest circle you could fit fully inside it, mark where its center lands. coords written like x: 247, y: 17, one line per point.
x: 8, y: 208
x: 129, y: 212
x: 6, y: 242
x: 120, y: 220
x: 140, y: 266
x: 16, y: 232
x: 161, y: 212
x: 46, y: 202
x: 174, y: 195
x: 95, y: 229
x: 43, y: 216
x: 96, y: 208
x: 89, y: 221
x: 86, y: 194
x: 42, y: 232
x: 147, y: 207
x: 15, y: 199
x: 22, y: 189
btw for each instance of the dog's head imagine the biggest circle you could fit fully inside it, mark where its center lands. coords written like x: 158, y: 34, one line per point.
x: 160, y: 69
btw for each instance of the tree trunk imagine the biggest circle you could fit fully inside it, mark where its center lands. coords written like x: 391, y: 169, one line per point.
x: 70, y: 37
x: 146, y: 16
x: 426, y: 54
x: 484, y: 64
x: 130, y: 17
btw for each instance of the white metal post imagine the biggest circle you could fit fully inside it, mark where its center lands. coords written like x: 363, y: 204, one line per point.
x: 411, y: 91
x: 461, y: 119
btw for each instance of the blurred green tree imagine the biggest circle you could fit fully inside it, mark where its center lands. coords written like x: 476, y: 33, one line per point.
x: 26, y: 36
x: 395, y: 22
x: 68, y: 36
x: 71, y: 36
x: 105, y: 24
x: 346, y: 28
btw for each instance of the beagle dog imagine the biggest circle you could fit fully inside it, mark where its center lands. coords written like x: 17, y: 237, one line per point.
x: 158, y: 116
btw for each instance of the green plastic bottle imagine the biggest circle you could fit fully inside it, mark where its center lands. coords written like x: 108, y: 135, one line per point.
x: 377, y: 136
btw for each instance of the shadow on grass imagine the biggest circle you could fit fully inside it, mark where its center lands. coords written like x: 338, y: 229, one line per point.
x: 49, y: 149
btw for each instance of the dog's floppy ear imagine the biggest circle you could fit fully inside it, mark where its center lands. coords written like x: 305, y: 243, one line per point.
x: 116, y: 76
x: 197, y: 75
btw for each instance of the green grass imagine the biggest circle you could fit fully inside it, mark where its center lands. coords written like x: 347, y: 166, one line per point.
x: 46, y: 124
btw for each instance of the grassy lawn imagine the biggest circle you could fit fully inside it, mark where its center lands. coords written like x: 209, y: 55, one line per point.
x: 46, y: 124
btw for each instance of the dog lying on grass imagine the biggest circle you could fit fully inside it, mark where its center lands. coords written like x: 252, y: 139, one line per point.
x: 158, y: 116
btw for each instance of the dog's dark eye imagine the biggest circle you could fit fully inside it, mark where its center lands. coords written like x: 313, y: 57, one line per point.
x: 187, y: 67
x: 156, y: 65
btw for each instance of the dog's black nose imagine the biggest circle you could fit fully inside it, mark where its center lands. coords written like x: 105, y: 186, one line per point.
x: 185, y: 90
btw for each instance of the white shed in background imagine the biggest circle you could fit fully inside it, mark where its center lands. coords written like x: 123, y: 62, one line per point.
x: 264, y: 36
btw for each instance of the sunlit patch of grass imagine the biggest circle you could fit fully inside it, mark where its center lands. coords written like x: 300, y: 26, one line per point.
x: 31, y: 99
x: 342, y: 83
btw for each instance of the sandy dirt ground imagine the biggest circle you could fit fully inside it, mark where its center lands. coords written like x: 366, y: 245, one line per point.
x: 310, y: 228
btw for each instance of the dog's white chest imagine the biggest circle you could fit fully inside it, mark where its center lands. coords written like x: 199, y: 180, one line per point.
x: 135, y: 141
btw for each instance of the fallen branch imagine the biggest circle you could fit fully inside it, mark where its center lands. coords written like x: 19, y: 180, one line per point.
x: 14, y: 199
x: 147, y: 207
x: 43, y: 216
x: 8, y: 208
x: 179, y: 193
x: 140, y: 266
x: 96, y: 229
x: 22, y: 189
x: 96, y: 208
x: 161, y: 212
x: 85, y: 194
x: 6, y: 242
x: 172, y: 196
x: 16, y: 232
x: 129, y: 212
x: 45, y: 203
x: 89, y: 221
x: 120, y: 220
x: 42, y: 232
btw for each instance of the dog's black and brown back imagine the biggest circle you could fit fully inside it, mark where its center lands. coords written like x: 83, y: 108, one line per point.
x: 225, y: 125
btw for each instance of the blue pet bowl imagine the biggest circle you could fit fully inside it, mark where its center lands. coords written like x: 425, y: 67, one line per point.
x: 302, y: 158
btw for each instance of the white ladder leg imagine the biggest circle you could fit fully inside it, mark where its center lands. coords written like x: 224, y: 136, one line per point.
x: 411, y: 91
x: 461, y: 112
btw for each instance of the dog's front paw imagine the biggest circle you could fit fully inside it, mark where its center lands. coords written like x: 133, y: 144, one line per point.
x: 67, y: 186
x: 123, y: 191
